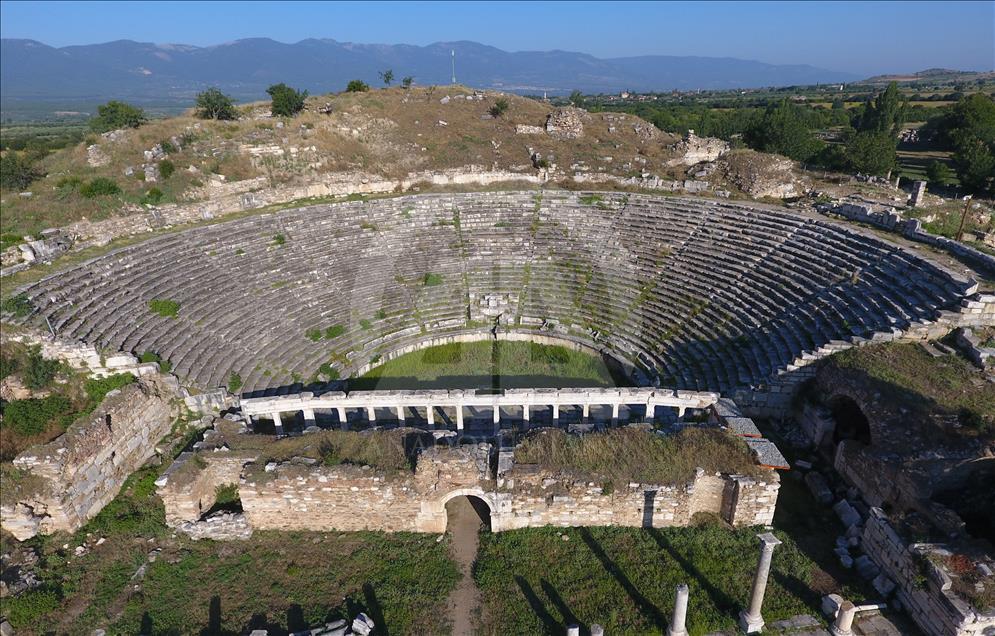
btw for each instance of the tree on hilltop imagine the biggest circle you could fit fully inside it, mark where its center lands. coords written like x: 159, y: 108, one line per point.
x: 357, y: 86
x: 287, y: 101
x: 213, y: 104
x: 387, y: 77
x: 407, y: 82
x: 114, y: 115
x: 499, y: 107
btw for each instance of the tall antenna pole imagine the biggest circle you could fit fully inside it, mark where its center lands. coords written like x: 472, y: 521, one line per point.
x: 453, y: 51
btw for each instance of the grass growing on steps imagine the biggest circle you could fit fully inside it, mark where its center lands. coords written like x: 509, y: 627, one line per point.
x: 477, y: 364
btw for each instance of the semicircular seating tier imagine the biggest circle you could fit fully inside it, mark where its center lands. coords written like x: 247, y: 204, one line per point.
x: 700, y: 294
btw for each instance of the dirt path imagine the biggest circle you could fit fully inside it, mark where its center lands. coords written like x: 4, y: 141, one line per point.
x: 464, y: 601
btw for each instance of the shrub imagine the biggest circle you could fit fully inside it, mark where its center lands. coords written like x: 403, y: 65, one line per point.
x: 499, y: 107
x: 279, y: 239
x: 387, y: 77
x: 286, y: 101
x: 20, y: 306
x: 153, y: 196
x: 313, y: 334
x: 334, y: 331
x: 8, y: 366
x: 329, y: 371
x: 39, y: 372
x: 213, y: 104
x: 149, y: 356
x: 166, y: 168
x: 226, y: 496
x: 9, y: 239
x: 380, y: 315
x: 164, y: 307
x: 24, y: 610
x: 365, y: 323
x: 357, y: 86
x: 99, y: 187
x: 407, y: 82
x: 97, y: 388
x: 234, y: 382
x: 431, y: 280
x: 32, y: 416
x: 17, y: 172
x: 115, y: 114
x: 939, y: 173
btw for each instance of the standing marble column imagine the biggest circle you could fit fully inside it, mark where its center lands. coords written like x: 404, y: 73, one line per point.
x: 750, y: 619
x: 400, y: 415
x: 371, y: 414
x: 556, y: 414
x: 615, y: 408
x: 278, y: 424
x: 430, y: 412
x: 677, y: 623
x: 459, y: 417
x: 587, y: 411
x: 343, y: 421
x: 844, y: 620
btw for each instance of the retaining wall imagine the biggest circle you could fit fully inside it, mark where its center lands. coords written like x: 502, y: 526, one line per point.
x: 72, y: 478
x: 923, y: 588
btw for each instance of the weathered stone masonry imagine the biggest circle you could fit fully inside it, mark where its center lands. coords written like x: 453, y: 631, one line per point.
x: 930, y: 603
x: 75, y: 476
x: 297, y: 496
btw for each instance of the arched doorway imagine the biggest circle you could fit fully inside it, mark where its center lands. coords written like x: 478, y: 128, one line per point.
x: 851, y: 423
x: 469, y: 511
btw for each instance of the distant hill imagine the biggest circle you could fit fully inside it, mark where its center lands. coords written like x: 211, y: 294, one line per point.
x: 932, y: 76
x: 171, y: 74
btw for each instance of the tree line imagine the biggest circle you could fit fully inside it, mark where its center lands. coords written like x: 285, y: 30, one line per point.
x: 867, y: 136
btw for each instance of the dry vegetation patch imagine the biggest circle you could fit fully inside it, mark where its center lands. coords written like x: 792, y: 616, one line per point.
x: 634, y: 454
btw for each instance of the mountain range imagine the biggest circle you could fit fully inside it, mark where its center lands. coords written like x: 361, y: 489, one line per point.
x: 167, y: 74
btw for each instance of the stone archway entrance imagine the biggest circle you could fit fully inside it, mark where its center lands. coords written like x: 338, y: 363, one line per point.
x: 851, y: 423
x: 466, y: 517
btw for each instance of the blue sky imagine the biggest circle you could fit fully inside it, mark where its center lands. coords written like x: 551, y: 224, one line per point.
x: 860, y: 37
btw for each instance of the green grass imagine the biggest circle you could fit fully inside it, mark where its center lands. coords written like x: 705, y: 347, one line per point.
x: 906, y: 374
x: 495, y: 364
x: 284, y: 581
x: 164, y: 307
x: 534, y: 582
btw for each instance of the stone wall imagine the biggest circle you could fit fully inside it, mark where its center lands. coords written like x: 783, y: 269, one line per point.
x: 878, y: 481
x: 73, y: 477
x: 890, y: 219
x: 298, y: 495
x: 226, y: 198
x: 189, y: 490
x: 922, y: 588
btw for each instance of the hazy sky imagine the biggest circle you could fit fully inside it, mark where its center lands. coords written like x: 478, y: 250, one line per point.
x: 860, y: 37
